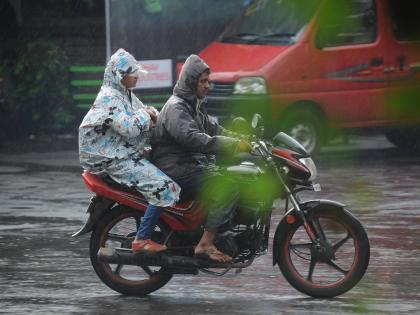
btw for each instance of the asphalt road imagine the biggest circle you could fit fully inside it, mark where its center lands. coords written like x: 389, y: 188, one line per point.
x: 44, y: 271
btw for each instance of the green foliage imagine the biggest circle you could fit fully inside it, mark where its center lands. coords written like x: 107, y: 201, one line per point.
x: 39, y: 101
x: 403, y: 104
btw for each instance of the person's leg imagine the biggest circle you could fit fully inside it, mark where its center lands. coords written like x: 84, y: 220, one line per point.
x: 220, y: 195
x: 222, y: 200
x: 158, y: 189
x: 149, y: 221
x: 143, y: 240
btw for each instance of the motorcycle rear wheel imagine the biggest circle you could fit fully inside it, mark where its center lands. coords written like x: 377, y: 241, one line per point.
x: 335, y: 267
x: 117, y: 229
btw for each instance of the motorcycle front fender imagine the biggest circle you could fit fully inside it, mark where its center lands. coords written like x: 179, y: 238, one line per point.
x: 309, y: 206
x: 98, y: 205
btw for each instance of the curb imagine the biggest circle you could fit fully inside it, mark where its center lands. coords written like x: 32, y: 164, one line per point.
x: 42, y: 167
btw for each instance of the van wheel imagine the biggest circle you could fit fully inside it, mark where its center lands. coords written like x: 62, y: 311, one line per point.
x: 404, y: 138
x: 305, y: 126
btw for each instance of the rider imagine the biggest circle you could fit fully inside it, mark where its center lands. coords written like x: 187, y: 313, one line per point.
x: 112, y: 141
x: 184, y: 142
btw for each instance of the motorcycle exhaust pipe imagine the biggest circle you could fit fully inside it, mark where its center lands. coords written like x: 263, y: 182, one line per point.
x: 125, y: 256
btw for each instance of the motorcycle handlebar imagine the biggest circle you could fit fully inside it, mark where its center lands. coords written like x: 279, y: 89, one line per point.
x: 260, y: 147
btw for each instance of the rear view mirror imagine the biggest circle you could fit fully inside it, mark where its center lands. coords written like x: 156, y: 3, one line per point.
x: 256, y: 121
x: 257, y: 124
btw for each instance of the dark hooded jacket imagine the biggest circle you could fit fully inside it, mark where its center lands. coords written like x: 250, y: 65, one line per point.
x: 185, y: 139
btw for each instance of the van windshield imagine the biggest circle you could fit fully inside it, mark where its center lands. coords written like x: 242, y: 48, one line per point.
x: 271, y: 22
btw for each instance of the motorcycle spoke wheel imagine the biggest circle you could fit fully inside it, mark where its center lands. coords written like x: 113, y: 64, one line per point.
x: 118, y: 238
x: 147, y: 270
x: 333, y: 264
x: 117, y: 269
x: 322, y: 271
x: 118, y: 230
x: 120, y: 235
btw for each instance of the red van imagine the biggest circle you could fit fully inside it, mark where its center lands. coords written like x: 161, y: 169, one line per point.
x: 313, y: 66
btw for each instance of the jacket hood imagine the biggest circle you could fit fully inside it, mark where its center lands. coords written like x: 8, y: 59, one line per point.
x: 186, y: 86
x: 119, y: 65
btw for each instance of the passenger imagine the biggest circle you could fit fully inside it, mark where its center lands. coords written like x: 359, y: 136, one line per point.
x: 112, y: 139
x: 184, y: 143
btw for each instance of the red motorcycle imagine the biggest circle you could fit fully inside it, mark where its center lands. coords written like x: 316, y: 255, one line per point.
x: 319, y: 246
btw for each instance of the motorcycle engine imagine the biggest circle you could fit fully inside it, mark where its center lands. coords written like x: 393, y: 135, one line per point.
x: 226, y: 243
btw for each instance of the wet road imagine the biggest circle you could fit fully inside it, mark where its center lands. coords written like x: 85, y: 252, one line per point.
x: 44, y: 271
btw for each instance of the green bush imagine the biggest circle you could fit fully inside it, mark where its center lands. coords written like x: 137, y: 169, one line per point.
x: 37, y: 98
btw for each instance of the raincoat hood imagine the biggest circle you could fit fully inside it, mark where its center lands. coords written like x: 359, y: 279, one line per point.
x: 186, y: 86
x: 121, y: 64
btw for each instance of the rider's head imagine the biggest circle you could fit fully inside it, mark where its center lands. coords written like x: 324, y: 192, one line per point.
x: 203, y: 84
x: 193, y: 81
x: 129, y: 80
x: 123, y: 69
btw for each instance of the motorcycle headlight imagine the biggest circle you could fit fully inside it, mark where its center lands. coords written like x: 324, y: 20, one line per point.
x: 310, y: 165
x: 250, y: 85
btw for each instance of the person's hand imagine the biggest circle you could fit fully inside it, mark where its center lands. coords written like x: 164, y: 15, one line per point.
x: 152, y: 113
x: 152, y: 109
x: 152, y: 124
x: 244, y: 146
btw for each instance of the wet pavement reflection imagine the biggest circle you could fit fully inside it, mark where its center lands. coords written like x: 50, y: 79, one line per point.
x: 44, y: 271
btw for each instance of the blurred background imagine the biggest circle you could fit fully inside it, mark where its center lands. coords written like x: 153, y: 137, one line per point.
x: 341, y: 76
x: 53, y: 52
x: 318, y: 70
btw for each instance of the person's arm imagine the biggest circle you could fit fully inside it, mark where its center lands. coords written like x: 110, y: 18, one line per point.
x: 183, y: 129
x: 225, y: 132
x: 242, y: 145
x: 129, y: 125
x: 217, y: 130
x: 137, y: 104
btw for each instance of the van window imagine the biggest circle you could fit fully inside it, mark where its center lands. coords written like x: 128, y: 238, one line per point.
x: 347, y: 22
x: 405, y: 19
x: 271, y: 22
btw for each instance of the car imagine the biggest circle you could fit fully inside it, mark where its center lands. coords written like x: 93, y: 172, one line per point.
x: 315, y: 66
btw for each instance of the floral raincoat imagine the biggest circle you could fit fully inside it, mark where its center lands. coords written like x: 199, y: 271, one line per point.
x: 115, y: 132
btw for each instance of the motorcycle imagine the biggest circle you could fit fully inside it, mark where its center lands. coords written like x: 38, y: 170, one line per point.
x: 320, y: 247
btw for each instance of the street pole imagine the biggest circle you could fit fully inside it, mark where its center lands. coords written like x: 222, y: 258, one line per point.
x: 107, y: 30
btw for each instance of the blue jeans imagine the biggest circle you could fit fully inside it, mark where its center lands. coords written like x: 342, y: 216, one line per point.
x: 149, y: 221
x: 217, y: 191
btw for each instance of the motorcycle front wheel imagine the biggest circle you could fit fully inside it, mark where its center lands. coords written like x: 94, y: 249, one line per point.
x: 117, y: 229
x: 332, y: 266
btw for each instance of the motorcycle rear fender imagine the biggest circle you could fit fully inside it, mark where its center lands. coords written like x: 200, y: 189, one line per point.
x: 309, y: 206
x: 98, y: 205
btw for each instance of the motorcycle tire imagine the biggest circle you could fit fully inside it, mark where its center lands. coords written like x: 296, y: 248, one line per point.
x: 117, y: 229
x: 346, y: 258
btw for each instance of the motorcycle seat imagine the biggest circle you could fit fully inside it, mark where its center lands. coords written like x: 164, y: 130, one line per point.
x: 109, y: 185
